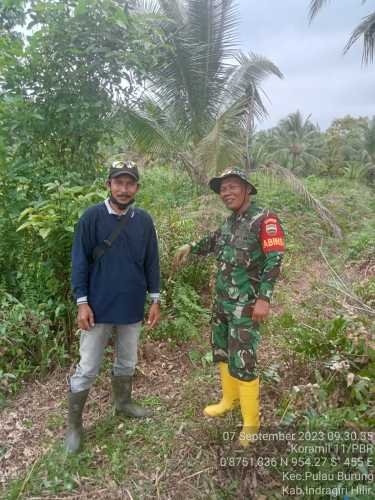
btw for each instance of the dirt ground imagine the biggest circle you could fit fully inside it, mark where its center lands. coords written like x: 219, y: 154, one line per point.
x: 39, y: 411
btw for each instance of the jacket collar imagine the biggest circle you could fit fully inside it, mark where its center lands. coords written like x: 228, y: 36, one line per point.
x: 248, y: 214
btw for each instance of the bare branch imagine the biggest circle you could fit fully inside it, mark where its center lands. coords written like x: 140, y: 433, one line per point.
x: 341, y: 287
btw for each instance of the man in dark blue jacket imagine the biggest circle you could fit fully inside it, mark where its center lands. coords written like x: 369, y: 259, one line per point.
x: 110, y: 278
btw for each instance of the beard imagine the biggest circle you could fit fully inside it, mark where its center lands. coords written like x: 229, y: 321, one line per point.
x: 121, y: 206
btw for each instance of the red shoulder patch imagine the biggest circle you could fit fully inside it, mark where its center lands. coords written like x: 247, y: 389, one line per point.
x: 272, y: 235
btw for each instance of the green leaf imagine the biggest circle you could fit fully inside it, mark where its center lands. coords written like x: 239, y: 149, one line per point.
x: 25, y: 212
x: 207, y: 359
x: 121, y: 24
x: 81, y: 8
x: 24, y: 226
x: 44, y: 232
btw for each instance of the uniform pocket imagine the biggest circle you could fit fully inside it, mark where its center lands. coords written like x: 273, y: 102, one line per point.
x: 242, y: 253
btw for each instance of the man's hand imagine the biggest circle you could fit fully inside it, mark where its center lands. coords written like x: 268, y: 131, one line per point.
x: 153, y: 315
x: 181, y: 255
x: 85, y: 317
x: 261, y: 310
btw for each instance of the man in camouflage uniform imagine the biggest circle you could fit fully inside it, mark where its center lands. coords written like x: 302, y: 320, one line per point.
x: 249, y: 248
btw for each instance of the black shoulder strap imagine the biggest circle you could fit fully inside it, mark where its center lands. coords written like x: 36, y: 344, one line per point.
x: 100, y: 250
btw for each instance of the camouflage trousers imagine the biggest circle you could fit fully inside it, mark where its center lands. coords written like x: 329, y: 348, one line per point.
x: 235, y: 337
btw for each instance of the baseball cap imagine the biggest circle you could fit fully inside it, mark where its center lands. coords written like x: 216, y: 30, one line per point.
x: 118, y: 168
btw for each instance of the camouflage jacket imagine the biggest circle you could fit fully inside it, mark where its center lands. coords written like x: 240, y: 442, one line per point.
x: 249, y: 250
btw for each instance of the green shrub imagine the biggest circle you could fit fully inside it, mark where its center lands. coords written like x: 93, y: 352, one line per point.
x: 28, y: 343
x: 186, y: 319
x: 323, y: 340
x: 49, y: 223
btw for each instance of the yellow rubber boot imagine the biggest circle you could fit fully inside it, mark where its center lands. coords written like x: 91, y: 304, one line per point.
x: 230, y: 394
x: 249, y: 401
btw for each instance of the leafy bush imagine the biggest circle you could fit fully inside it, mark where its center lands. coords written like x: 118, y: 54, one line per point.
x: 50, y: 226
x: 42, y: 301
x: 186, y: 318
x: 163, y: 191
x: 326, y: 341
x: 28, y: 342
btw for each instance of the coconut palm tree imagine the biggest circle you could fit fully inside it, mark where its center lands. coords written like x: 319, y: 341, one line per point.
x: 297, y: 143
x: 200, y: 104
x: 365, y: 29
x: 199, y: 108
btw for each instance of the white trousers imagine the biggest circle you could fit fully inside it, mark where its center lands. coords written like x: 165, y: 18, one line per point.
x: 92, y: 345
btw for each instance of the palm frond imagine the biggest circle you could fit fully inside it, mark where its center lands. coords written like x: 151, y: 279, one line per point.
x: 152, y: 129
x: 173, y: 9
x: 366, y: 29
x: 174, y: 80
x: 297, y: 186
x: 212, y: 26
x: 204, y: 40
x: 350, y: 300
x: 315, y: 7
x: 244, y: 81
x: 225, y: 143
x: 148, y: 6
x: 296, y: 125
x: 250, y: 72
x: 201, y: 102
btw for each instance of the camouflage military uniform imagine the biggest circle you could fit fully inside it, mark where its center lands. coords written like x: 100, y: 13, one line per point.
x: 249, y: 249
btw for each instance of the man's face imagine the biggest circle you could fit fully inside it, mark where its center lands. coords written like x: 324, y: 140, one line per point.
x: 234, y: 193
x: 123, y: 188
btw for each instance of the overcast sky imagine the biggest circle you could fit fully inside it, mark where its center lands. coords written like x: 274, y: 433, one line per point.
x: 319, y: 79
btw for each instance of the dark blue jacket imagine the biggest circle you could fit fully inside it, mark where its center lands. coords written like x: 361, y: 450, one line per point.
x: 116, y: 283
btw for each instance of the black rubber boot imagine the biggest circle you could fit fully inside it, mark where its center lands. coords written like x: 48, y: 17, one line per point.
x: 122, y: 391
x: 74, y: 433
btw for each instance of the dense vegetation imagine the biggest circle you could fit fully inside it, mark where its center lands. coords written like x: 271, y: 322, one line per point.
x: 78, y: 91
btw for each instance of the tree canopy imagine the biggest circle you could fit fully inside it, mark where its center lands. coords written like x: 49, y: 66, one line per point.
x: 200, y: 105
x: 81, y: 62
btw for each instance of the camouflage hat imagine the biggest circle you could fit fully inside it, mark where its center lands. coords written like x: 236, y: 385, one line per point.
x: 215, y: 182
x: 123, y: 168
